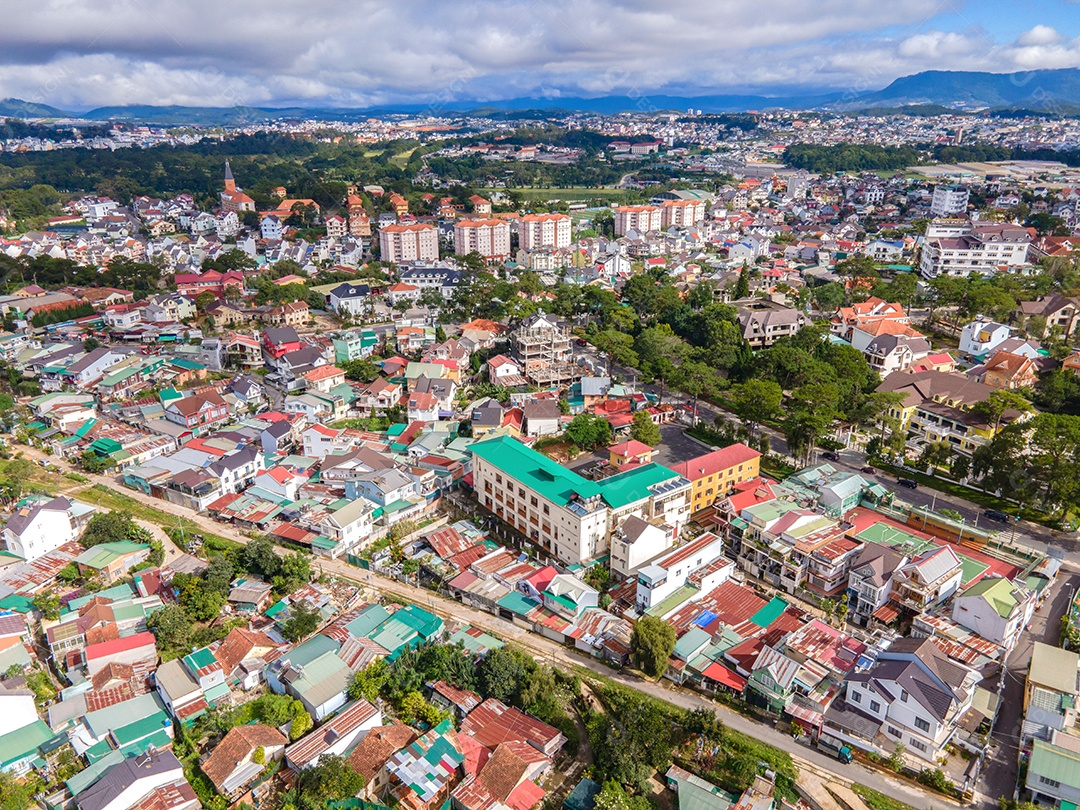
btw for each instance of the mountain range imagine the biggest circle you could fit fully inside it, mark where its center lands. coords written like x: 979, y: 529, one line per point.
x: 1052, y: 91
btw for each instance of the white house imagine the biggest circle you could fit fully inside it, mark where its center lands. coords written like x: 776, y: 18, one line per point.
x: 35, y: 530
x: 702, y: 560
x: 995, y: 609
x: 270, y: 228
x: 349, y: 525
x: 501, y: 368
x: 635, y: 542
x: 335, y: 738
x: 983, y: 336
x: 916, y: 693
x: 351, y: 300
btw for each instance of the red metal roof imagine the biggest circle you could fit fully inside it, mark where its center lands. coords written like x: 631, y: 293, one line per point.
x: 724, y: 676
x: 119, y: 645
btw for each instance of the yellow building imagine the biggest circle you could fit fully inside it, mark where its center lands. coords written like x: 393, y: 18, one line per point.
x: 715, y: 475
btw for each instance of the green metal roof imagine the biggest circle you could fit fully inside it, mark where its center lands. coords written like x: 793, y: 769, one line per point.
x: 105, y: 554
x: 770, y: 613
x: 518, y: 603
x: 140, y: 729
x: 1054, y: 762
x: 997, y: 592
x: 200, y: 659
x: 22, y: 742
x: 558, y: 484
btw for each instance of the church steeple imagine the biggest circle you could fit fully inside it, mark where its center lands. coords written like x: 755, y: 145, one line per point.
x: 230, y: 184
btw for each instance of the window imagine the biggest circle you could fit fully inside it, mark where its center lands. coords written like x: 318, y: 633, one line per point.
x: 1049, y: 782
x: 903, y: 696
x: 922, y: 725
x: 875, y: 707
x: 894, y: 731
x: 855, y: 696
x: 917, y: 744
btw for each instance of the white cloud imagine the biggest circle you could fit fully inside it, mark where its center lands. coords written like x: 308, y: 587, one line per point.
x: 72, y: 53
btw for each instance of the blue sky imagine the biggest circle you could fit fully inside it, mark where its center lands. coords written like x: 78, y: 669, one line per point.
x: 76, y: 54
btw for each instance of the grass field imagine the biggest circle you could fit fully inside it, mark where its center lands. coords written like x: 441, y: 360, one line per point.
x: 569, y: 194
x: 100, y: 495
x: 878, y: 801
x: 402, y: 158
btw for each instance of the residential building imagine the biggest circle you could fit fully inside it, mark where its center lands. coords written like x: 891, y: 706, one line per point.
x: 870, y: 579
x: 1051, y: 691
x: 488, y: 237
x: 415, y: 242
x: 198, y: 411
x: 36, y: 529
x: 986, y: 248
x: 995, y: 609
x: 928, y: 579
x: 681, y: 213
x: 715, y: 474
x: 949, y: 200
x: 639, y: 218
x: 764, y: 322
x: 980, y: 337
x: 700, y: 564
x: 545, y: 230
x: 915, y: 693
x: 232, y: 765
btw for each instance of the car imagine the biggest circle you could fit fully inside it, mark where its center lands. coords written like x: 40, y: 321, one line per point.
x: 869, y: 470
x: 907, y: 483
x: 830, y: 455
x: 1000, y: 517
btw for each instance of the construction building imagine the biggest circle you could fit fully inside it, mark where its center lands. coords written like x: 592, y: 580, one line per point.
x: 544, y: 351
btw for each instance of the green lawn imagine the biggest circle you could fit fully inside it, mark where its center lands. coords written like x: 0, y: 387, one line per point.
x: 569, y: 194
x: 401, y: 160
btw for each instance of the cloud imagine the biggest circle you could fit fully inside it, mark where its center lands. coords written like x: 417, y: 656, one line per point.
x: 264, y: 52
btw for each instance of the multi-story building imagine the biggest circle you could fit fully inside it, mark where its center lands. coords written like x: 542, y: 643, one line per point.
x: 488, y: 237
x: 716, y: 474
x: 544, y: 230
x: 544, y: 351
x: 640, y: 218
x: 764, y: 322
x: 681, y: 213
x: 569, y: 516
x: 949, y: 201
x: 914, y: 694
x: 870, y: 581
x: 928, y: 579
x: 415, y: 242
x: 995, y: 609
x: 955, y: 248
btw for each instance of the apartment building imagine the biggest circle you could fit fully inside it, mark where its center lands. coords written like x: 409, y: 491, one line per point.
x: 488, y: 237
x: 949, y: 200
x: 640, y: 218
x: 544, y: 230
x: 765, y: 322
x: 681, y: 213
x: 567, y: 515
x: 959, y: 249
x: 716, y: 474
x: 415, y: 242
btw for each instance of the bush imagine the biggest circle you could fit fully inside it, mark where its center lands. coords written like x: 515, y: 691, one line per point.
x: 935, y: 778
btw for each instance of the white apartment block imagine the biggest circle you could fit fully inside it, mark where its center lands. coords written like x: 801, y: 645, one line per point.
x: 416, y: 242
x: 544, y: 230
x: 960, y: 248
x: 569, y: 516
x: 681, y: 213
x: 949, y: 201
x: 640, y: 218
x: 488, y: 237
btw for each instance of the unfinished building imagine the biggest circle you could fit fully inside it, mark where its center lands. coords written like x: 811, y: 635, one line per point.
x: 545, y: 351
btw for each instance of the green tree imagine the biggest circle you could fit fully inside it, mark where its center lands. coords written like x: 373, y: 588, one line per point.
x: 651, y: 644
x: 696, y: 379
x: 828, y: 297
x: 106, y: 527
x: 171, y: 627
x: 613, y: 796
x: 589, y: 432
x: 936, y: 454
x: 359, y: 370
x: 331, y: 780
x: 742, y: 285
x: 367, y: 683
x: 644, y: 430
x: 47, y: 603
x: 504, y: 672
x: 301, y: 724
x: 994, y: 407
x: 756, y: 401
x: 302, y: 623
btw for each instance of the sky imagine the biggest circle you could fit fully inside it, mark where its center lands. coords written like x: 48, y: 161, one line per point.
x: 78, y: 54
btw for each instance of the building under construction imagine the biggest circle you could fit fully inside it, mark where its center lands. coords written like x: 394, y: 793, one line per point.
x: 545, y: 352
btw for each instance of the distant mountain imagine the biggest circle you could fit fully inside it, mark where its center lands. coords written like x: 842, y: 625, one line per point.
x: 1036, y: 90
x: 17, y: 108
x: 1054, y: 91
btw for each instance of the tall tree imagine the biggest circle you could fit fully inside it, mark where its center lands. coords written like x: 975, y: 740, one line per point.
x: 756, y: 401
